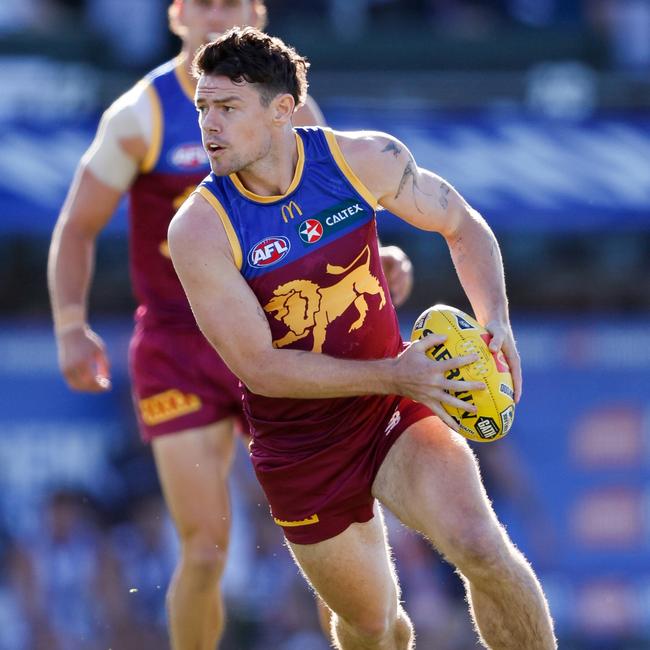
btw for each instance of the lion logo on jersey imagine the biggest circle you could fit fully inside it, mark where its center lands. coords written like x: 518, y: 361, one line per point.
x: 306, y: 308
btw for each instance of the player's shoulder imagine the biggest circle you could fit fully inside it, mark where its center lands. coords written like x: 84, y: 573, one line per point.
x: 133, y: 102
x: 166, y: 68
x: 194, y: 228
x: 195, y: 214
x: 374, y: 156
x: 363, y: 143
x: 195, y: 208
x: 139, y: 97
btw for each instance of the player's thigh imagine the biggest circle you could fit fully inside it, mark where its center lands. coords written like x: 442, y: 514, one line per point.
x: 431, y: 481
x: 353, y: 573
x: 193, y: 467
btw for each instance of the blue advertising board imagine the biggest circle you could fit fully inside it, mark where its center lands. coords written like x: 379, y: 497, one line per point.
x: 524, y: 173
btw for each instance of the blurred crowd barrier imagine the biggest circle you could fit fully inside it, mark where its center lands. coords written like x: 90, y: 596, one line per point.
x: 525, y: 172
x: 87, y: 548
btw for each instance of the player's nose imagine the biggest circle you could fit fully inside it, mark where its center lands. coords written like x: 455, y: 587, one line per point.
x: 218, y: 18
x: 211, y: 121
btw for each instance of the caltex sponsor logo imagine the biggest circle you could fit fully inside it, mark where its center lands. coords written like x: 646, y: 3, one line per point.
x: 335, y: 218
x: 310, y: 231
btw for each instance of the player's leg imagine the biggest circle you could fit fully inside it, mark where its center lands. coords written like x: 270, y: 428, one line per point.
x: 430, y: 480
x: 324, y: 617
x: 354, y: 575
x: 193, y: 468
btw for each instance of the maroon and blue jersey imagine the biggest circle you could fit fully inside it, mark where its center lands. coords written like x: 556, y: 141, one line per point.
x: 175, y: 164
x: 311, y: 258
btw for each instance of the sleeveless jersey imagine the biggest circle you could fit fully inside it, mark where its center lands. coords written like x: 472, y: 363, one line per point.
x: 175, y: 164
x: 311, y: 258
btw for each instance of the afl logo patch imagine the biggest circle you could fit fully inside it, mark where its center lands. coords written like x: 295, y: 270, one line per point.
x: 310, y: 231
x: 188, y: 156
x: 269, y: 251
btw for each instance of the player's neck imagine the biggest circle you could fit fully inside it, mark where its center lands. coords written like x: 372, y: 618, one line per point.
x: 184, y: 62
x: 274, y: 174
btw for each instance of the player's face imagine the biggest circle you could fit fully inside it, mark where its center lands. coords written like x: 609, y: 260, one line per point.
x: 205, y: 20
x: 235, y: 126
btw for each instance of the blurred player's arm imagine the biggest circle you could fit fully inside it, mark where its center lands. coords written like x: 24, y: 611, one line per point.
x: 232, y: 319
x: 420, y: 197
x: 104, y: 174
x: 395, y: 262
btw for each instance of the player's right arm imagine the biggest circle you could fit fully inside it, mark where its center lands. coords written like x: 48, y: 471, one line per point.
x: 232, y: 319
x: 104, y: 174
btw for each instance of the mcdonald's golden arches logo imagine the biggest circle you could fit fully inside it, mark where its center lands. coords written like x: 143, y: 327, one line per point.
x: 289, y: 211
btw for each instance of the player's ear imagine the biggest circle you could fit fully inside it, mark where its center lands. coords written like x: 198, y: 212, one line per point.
x: 261, y: 18
x: 283, y: 107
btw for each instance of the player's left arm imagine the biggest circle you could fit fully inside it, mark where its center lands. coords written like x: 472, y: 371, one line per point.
x: 395, y: 262
x: 424, y: 199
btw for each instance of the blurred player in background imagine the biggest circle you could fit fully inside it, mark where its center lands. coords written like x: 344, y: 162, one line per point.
x: 187, y: 401
x: 308, y: 326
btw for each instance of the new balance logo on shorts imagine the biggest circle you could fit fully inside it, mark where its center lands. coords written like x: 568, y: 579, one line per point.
x: 393, y: 422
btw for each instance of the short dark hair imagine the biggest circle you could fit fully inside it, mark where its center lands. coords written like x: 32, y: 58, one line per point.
x: 247, y: 54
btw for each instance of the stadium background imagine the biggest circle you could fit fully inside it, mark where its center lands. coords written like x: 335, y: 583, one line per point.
x: 537, y: 110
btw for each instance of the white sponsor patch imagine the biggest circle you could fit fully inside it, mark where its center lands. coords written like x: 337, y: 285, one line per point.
x: 507, y: 417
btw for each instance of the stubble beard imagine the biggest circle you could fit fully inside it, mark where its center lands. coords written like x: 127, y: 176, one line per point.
x: 239, y: 163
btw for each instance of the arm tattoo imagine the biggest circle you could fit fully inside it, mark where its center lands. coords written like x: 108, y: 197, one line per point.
x: 392, y: 147
x: 444, y: 192
x: 409, y: 172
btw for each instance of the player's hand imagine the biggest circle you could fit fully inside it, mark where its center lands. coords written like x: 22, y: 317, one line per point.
x: 503, y: 340
x: 423, y: 379
x: 83, y: 361
x: 398, y: 271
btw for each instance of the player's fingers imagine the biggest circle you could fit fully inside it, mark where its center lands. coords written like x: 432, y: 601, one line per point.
x: 517, y: 378
x: 458, y: 403
x: 458, y: 386
x: 82, y: 378
x: 77, y: 379
x: 457, y: 362
x: 428, y: 341
x: 496, y: 342
x: 103, y: 375
x: 444, y: 416
x: 514, y: 363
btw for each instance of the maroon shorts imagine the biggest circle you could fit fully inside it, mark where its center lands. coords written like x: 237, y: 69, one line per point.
x: 317, y: 497
x: 179, y: 381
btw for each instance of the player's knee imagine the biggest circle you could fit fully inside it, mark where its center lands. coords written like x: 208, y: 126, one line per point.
x: 204, y: 552
x: 479, y: 549
x: 371, y: 625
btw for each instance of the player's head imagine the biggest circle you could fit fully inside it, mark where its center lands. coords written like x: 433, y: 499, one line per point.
x: 200, y: 21
x: 249, y: 85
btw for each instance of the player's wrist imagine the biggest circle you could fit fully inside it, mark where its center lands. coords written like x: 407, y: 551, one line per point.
x: 68, y: 319
x: 388, y: 376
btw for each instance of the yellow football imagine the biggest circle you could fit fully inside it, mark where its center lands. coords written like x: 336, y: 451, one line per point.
x: 496, y: 404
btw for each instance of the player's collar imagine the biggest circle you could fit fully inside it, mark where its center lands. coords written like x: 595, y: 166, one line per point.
x: 297, y: 176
